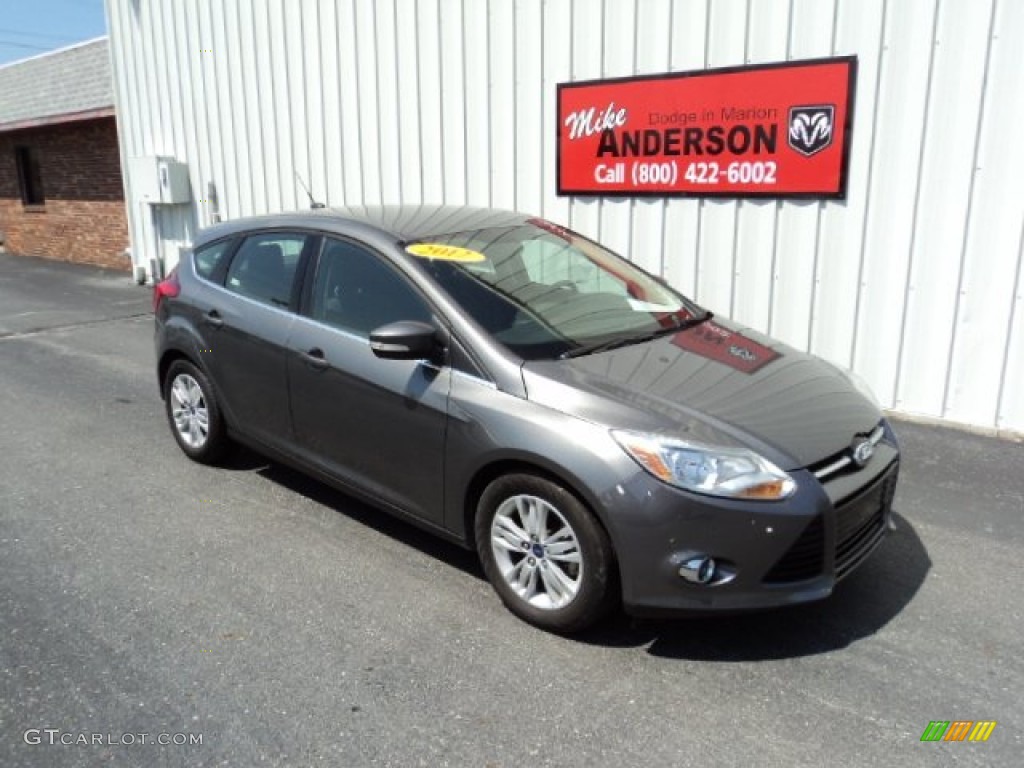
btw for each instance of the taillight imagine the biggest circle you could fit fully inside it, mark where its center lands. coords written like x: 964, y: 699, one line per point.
x: 169, y: 287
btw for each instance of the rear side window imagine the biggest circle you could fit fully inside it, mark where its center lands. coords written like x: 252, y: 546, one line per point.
x: 264, y: 267
x: 208, y: 258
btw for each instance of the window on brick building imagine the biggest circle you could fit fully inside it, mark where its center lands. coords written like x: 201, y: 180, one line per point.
x: 30, y: 180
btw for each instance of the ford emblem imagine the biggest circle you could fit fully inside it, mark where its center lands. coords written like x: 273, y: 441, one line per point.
x: 863, y: 450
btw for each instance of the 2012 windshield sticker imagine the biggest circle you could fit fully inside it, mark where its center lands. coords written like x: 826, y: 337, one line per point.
x: 442, y: 252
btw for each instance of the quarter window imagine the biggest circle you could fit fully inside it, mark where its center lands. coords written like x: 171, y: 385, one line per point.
x: 207, y: 259
x: 355, y: 291
x: 264, y: 267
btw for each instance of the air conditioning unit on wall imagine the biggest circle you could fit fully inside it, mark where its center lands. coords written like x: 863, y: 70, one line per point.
x: 159, y: 180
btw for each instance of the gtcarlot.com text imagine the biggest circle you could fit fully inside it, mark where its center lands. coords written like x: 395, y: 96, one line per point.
x: 36, y: 736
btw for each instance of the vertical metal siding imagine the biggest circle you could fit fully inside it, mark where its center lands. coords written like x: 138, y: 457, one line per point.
x: 958, y: 57
x: 977, y: 390
x: 915, y: 281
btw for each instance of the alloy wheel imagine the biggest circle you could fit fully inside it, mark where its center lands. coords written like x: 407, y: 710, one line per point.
x: 537, y: 552
x: 189, y: 411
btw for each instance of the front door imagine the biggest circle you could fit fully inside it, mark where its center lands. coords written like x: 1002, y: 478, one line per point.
x: 376, y: 424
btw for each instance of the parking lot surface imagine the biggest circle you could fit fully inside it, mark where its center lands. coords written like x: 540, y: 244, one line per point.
x: 286, y: 624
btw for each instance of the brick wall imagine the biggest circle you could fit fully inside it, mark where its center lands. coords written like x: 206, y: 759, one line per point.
x: 83, y: 217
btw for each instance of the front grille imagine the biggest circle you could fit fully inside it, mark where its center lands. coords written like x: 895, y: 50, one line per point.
x: 805, y: 559
x: 860, y: 522
x: 842, y: 462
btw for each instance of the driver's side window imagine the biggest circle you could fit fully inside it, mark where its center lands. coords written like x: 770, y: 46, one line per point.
x: 354, y: 290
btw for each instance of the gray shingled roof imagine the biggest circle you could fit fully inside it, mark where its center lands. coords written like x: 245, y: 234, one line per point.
x: 75, y: 79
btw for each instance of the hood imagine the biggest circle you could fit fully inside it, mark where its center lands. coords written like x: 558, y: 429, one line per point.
x: 716, y: 383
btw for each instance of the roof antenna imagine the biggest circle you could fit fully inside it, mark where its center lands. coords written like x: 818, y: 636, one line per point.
x: 312, y: 203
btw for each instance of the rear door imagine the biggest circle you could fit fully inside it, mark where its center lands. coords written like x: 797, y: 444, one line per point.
x: 376, y: 424
x: 248, y: 326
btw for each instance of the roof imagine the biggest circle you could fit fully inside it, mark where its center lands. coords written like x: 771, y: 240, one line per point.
x: 72, y: 83
x: 400, y: 222
x: 412, y: 222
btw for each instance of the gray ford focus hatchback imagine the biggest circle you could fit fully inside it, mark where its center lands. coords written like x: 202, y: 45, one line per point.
x: 596, y: 437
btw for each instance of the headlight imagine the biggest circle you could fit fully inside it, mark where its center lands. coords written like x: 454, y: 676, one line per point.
x: 731, y: 472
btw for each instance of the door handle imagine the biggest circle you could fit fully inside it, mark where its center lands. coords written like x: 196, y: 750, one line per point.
x: 213, y: 318
x: 315, y: 358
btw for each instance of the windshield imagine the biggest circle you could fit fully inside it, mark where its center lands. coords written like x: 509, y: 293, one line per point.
x: 544, y: 291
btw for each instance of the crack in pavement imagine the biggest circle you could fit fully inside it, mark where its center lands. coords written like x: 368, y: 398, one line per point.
x: 8, y: 335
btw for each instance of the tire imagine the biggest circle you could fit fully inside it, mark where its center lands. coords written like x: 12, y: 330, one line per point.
x: 193, y: 414
x: 545, y: 554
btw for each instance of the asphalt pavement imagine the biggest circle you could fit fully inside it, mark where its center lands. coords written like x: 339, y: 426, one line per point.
x: 281, y: 623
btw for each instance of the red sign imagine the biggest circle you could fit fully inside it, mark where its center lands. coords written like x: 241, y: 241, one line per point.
x: 776, y: 130
x: 714, y: 342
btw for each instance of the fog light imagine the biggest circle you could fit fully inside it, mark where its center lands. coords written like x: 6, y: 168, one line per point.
x: 699, y: 569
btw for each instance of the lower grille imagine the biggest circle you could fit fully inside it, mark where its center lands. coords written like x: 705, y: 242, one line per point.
x: 860, y: 523
x: 804, y: 560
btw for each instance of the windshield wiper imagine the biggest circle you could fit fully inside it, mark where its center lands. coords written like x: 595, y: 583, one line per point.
x: 640, y: 338
x: 697, y: 320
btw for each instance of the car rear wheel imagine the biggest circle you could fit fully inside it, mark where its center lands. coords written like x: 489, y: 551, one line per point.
x: 546, y: 555
x: 192, y: 411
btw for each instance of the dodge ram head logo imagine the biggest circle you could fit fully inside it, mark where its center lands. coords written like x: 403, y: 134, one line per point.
x: 810, y: 128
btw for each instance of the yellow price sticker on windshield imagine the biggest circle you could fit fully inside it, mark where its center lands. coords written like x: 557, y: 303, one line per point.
x: 444, y: 252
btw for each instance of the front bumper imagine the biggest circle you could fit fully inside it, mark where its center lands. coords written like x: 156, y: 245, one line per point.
x: 767, y: 554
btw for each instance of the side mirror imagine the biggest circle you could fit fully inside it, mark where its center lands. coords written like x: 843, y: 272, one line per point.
x: 404, y: 340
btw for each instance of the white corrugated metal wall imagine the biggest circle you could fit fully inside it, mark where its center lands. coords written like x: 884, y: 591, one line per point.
x: 914, y: 281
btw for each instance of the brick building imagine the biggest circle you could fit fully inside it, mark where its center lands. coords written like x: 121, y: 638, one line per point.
x: 61, y: 192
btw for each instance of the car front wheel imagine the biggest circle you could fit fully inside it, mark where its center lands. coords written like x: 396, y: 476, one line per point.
x: 545, y: 554
x: 192, y: 411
